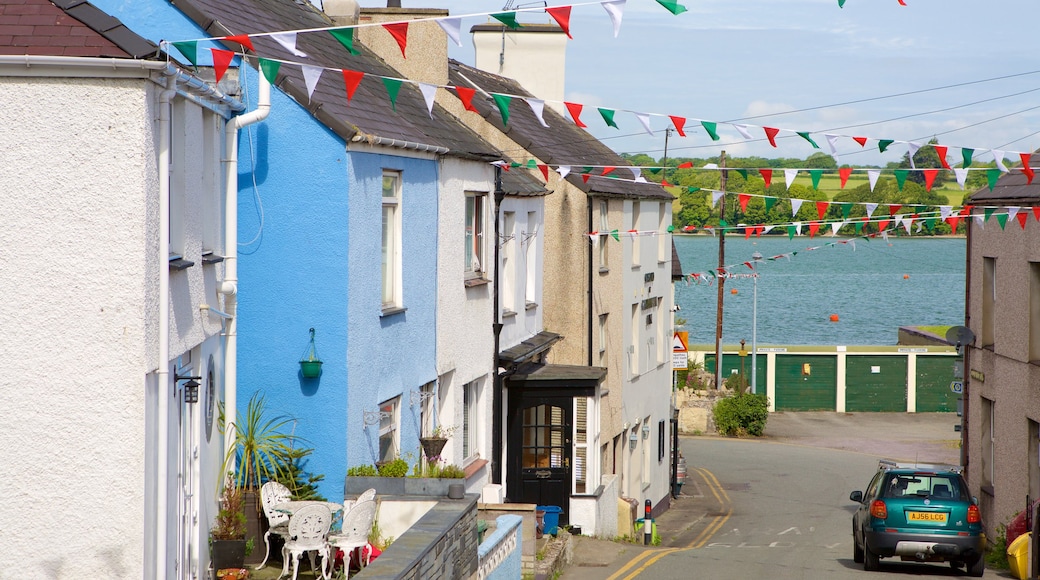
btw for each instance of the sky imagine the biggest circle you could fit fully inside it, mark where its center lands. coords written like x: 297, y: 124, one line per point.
x: 756, y: 61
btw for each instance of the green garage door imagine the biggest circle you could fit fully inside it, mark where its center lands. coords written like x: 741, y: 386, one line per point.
x: 806, y: 382
x: 934, y: 375
x: 875, y: 383
x: 731, y: 364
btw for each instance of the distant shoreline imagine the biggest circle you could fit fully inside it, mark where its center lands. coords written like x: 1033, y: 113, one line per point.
x: 782, y: 234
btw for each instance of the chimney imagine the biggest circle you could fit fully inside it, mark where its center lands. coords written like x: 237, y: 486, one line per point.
x: 533, y: 55
x: 342, y: 12
x: 427, y: 46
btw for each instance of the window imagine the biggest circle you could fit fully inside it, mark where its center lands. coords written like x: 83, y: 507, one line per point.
x: 531, y: 260
x: 470, y: 397
x: 633, y: 349
x: 475, y: 234
x: 988, y: 441
x: 391, y: 240
x: 635, y: 234
x: 989, y: 300
x: 663, y: 248
x: 644, y: 437
x: 388, y: 420
x: 426, y: 410
x: 1034, y: 311
x: 604, y: 237
x: 509, y: 265
x: 581, y: 444
x: 602, y: 334
x: 1033, y: 458
x: 660, y: 441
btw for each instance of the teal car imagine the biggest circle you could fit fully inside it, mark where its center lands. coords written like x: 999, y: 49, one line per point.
x: 920, y: 513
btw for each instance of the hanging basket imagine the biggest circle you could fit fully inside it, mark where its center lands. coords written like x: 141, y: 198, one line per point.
x: 432, y: 446
x: 310, y: 364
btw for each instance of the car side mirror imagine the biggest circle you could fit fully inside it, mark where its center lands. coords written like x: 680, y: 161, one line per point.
x: 856, y: 496
x: 974, y: 500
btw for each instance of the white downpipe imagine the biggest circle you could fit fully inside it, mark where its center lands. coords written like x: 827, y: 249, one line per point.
x: 163, y: 380
x: 229, y: 287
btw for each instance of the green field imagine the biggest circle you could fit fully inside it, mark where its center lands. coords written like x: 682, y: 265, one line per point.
x: 830, y: 184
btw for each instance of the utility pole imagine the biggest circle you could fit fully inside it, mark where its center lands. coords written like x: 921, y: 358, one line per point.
x: 664, y: 161
x: 720, y: 278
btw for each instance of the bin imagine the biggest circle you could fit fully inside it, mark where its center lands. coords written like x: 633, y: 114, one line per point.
x: 1018, y: 556
x: 552, y: 518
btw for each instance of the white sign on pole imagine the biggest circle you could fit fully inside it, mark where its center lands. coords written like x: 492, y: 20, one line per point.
x: 680, y: 360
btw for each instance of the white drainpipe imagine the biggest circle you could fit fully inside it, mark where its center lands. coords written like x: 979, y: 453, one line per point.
x: 229, y: 287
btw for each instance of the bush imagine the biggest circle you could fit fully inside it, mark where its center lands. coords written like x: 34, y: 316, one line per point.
x: 362, y: 471
x: 395, y: 468
x: 996, y: 556
x: 741, y: 415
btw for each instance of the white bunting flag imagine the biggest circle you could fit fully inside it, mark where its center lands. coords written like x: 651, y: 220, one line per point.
x: 945, y: 211
x: 852, y: 243
x: 872, y: 177
x: 645, y: 120
x: 288, y: 40
x: 1012, y: 211
x: 637, y: 175
x: 537, y: 107
x: 980, y: 219
x: 832, y: 143
x: 743, y: 130
x: 563, y: 170
x: 962, y: 176
x: 835, y: 226
x: 451, y: 27
x: 311, y: 74
x: 428, y: 93
x: 884, y: 235
x: 594, y: 237
x: 710, y: 229
x: 789, y: 175
x: 998, y: 156
x: 870, y: 209
x: 615, y: 8
x: 715, y: 196
x: 912, y: 150
x: 768, y: 229
x: 905, y: 222
x: 797, y: 227
x: 796, y: 204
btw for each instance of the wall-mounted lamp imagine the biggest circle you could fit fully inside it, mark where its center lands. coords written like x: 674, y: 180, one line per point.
x: 646, y: 430
x: 633, y: 438
x: 191, y: 388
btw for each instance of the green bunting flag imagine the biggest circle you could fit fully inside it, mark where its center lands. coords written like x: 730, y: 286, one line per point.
x: 859, y: 227
x: 502, y: 101
x: 883, y: 144
x: 507, y: 18
x: 770, y: 202
x: 805, y: 135
x: 532, y: 164
x: 929, y: 223
x: 189, y: 49
x: 671, y: 228
x: 270, y: 69
x: 966, y: 155
x: 692, y: 189
x: 608, y: 117
x: 614, y: 234
x: 1002, y: 219
x: 816, y: 174
x: 655, y: 170
x: 345, y: 36
x: 710, y: 127
x: 723, y: 224
x: 790, y: 232
x: 846, y: 210
x: 743, y: 173
x: 841, y: 3
x: 992, y: 175
x: 393, y: 86
x: 672, y: 6
x: 901, y: 177
x: 987, y: 212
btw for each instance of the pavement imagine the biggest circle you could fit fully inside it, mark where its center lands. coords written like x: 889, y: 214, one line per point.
x: 696, y: 515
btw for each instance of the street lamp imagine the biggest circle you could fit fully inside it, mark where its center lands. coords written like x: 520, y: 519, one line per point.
x: 755, y: 258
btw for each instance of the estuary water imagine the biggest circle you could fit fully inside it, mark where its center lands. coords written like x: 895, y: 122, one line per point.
x: 873, y: 287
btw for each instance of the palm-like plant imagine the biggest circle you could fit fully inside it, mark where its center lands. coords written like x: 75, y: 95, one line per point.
x: 262, y: 446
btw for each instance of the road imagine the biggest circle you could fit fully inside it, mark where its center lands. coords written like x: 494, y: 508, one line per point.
x: 786, y: 515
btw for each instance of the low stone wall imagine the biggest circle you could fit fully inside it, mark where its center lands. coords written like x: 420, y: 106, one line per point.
x: 442, y: 545
x: 695, y: 406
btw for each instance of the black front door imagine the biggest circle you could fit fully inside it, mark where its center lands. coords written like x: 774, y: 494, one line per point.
x: 540, y: 452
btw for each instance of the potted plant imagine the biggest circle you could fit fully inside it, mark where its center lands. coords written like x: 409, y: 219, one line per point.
x: 434, y: 444
x: 228, y: 536
x: 310, y: 364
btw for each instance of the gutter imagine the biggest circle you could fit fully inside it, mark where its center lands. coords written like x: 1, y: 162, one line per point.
x: 399, y: 143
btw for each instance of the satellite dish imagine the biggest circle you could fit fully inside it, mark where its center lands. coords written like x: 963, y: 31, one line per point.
x: 959, y: 336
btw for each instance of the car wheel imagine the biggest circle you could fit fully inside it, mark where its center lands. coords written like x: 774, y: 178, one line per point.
x: 857, y: 552
x: 977, y: 568
x: 871, y: 561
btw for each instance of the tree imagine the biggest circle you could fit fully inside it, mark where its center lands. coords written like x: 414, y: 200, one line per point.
x: 820, y: 161
x: 925, y: 158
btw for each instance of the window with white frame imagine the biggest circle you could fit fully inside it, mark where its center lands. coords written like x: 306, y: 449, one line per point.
x: 389, y: 419
x: 604, y: 237
x: 989, y: 300
x: 644, y: 437
x: 602, y: 335
x: 635, y: 234
x: 663, y: 249
x: 634, y: 352
x: 531, y: 260
x: 474, y: 253
x: 509, y: 265
x: 470, y: 399
x: 581, y: 444
x: 391, y: 259
x: 427, y: 394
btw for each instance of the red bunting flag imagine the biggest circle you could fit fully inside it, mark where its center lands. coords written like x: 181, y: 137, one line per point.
x: 844, y: 172
x: 882, y: 225
x: 893, y: 208
x: 1022, y: 217
x: 771, y: 135
x: 575, y: 110
x: 545, y: 170
x: 221, y: 60
x: 1036, y: 212
x: 941, y: 151
x: 562, y: 16
x: 821, y: 208
x: 352, y: 78
x: 743, y: 198
x: 1026, y: 169
x: 814, y: 228
x: 585, y: 177
x: 747, y: 234
x: 242, y: 39
x: 929, y: 178
x: 608, y: 169
x: 767, y: 176
x: 664, y: 183
x: 759, y: 230
x: 466, y: 96
x: 685, y: 165
x: 953, y: 220
x: 399, y: 31
x: 861, y: 140
x: 679, y: 123
x: 902, y: 2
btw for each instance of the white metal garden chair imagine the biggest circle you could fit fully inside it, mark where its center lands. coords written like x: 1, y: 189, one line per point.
x: 271, y: 494
x: 357, y: 524
x: 308, y: 533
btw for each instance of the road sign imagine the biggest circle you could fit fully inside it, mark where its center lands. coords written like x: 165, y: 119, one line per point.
x: 679, y: 341
x: 957, y: 387
x: 680, y: 358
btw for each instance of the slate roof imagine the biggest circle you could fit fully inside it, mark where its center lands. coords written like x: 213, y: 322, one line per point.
x: 562, y: 143
x: 67, y: 28
x: 370, y: 112
x: 1011, y: 189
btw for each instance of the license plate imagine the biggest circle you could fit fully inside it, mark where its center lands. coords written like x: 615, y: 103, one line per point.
x: 926, y: 517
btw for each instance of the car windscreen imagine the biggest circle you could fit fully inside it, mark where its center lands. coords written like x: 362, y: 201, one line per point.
x: 925, y: 485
